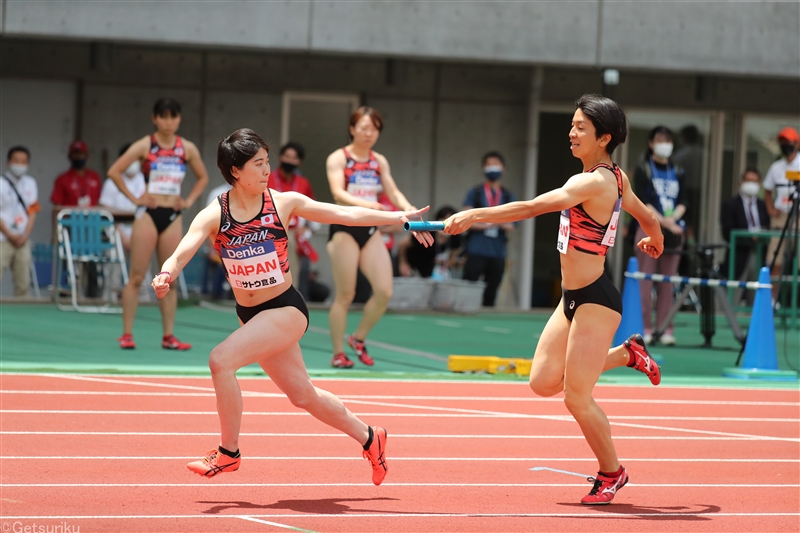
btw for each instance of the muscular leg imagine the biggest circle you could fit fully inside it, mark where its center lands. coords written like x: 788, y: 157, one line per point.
x: 269, y: 333
x: 592, y: 329
x: 344, y: 253
x: 143, y: 242
x: 376, y: 265
x: 167, y: 242
x: 547, y: 369
x: 289, y: 374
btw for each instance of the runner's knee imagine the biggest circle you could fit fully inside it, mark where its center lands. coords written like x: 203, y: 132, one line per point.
x: 545, y: 388
x: 218, y: 360
x: 304, y: 398
x: 576, y: 403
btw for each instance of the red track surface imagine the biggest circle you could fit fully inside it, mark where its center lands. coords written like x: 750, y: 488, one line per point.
x: 108, y: 453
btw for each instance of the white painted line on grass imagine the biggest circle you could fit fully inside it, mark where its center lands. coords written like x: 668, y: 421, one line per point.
x: 447, y: 323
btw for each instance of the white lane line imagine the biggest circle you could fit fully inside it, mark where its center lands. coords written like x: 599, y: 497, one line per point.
x: 276, y: 524
x: 370, y: 485
x: 458, y: 459
x: 447, y: 323
x: 418, y: 381
x: 569, y: 419
x: 498, y: 414
x: 492, y: 329
x: 276, y: 413
x: 588, y: 513
x: 394, y: 435
x: 127, y: 382
x: 284, y: 516
x: 526, y: 399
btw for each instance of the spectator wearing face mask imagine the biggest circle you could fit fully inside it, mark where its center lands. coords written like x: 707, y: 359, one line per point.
x: 486, y: 243
x: 79, y: 186
x: 745, y: 211
x: 779, y: 189
x: 116, y: 202
x: 659, y: 182
x: 19, y: 203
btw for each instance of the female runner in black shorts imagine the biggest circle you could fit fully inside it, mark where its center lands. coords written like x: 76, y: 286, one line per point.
x: 572, y: 350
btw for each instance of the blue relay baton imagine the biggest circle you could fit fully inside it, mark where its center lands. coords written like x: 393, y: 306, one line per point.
x: 423, y: 225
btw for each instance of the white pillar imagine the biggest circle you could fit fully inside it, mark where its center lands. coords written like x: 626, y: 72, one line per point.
x: 531, y: 168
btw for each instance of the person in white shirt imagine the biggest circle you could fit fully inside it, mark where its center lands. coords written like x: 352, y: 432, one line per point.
x: 113, y: 199
x: 19, y: 203
x: 779, y: 190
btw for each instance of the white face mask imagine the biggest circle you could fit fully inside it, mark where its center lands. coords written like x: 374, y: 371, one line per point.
x: 662, y: 150
x: 750, y: 188
x: 134, y: 169
x: 18, y: 170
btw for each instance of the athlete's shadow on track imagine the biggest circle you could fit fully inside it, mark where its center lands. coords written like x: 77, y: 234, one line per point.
x: 316, y: 506
x: 679, y: 513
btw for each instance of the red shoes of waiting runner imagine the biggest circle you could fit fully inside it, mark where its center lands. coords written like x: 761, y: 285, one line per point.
x: 641, y: 360
x: 340, y: 360
x: 169, y: 342
x: 605, y: 487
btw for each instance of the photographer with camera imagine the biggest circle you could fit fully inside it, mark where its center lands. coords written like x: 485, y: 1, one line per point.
x: 779, y: 190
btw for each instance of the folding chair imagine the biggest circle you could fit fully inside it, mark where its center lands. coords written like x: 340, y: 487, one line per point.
x: 87, y: 236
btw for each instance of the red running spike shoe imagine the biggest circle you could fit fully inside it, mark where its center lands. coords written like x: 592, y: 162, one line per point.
x: 215, y: 462
x: 642, y: 360
x: 169, y: 342
x: 340, y: 360
x: 361, y: 350
x: 126, y: 342
x: 376, y: 455
x: 605, y: 488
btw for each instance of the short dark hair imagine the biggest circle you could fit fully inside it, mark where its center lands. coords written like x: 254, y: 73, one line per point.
x: 124, y: 148
x: 372, y: 113
x: 658, y: 130
x: 166, y: 106
x: 607, y: 117
x: 297, y: 147
x: 18, y: 148
x: 237, y: 149
x: 493, y: 153
x: 748, y: 170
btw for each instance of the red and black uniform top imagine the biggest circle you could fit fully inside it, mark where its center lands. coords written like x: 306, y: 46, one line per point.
x: 255, y: 253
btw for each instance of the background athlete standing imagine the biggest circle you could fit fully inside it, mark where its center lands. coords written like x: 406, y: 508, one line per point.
x: 357, y: 176
x: 158, y: 225
x: 572, y: 350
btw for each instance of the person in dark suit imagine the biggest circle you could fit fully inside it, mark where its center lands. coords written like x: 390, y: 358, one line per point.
x: 744, y: 211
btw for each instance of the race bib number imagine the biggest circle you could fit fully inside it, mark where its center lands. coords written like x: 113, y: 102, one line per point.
x: 365, y: 185
x: 492, y: 233
x: 253, y: 266
x: 611, y: 232
x: 166, y: 178
x: 563, y: 232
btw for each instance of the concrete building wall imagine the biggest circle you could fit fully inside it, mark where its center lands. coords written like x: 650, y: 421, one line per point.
x: 753, y: 38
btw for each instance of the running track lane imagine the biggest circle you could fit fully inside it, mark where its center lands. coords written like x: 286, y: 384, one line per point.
x: 271, y: 494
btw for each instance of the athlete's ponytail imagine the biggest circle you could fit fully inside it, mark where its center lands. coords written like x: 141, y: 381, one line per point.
x: 237, y: 149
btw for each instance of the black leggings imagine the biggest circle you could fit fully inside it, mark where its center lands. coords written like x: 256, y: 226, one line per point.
x: 601, y: 292
x: 289, y: 298
x: 491, y: 268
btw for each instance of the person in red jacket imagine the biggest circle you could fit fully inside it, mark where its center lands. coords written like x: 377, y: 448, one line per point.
x: 79, y: 186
